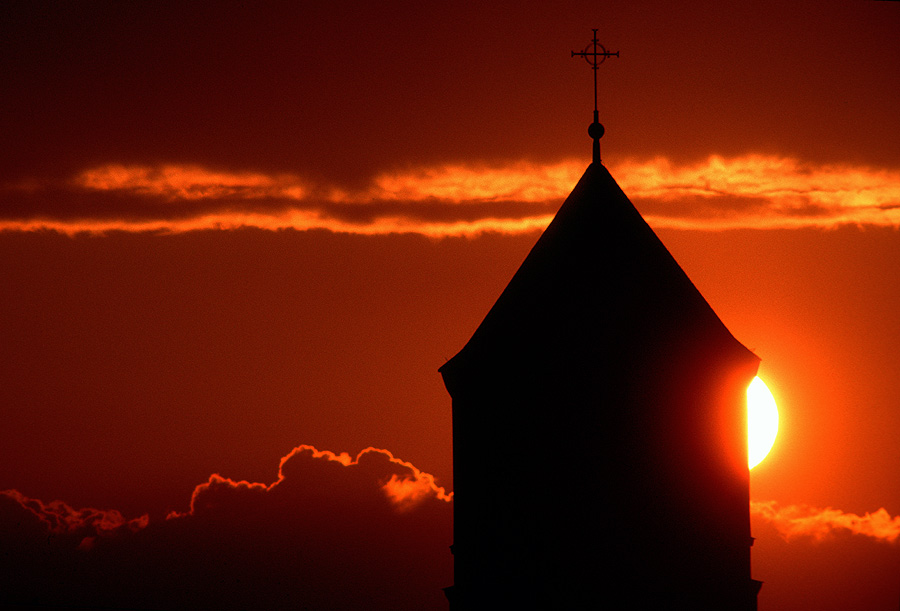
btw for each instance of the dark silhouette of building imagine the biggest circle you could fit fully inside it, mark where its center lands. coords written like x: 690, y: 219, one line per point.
x: 599, y: 428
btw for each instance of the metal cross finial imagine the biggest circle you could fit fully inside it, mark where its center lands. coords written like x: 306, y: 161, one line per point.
x: 595, y: 54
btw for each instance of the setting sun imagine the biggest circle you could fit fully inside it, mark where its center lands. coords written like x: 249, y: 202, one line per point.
x: 762, y: 421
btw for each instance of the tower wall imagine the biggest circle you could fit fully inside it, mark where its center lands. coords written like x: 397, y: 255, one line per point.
x: 571, y: 494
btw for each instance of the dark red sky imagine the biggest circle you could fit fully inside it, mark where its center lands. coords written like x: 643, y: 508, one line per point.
x: 230, y: 230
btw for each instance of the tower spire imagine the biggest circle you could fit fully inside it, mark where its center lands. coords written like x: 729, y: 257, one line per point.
x: 595, y: 54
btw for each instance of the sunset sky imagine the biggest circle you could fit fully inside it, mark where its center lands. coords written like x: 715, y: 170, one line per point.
x: 237, y: 240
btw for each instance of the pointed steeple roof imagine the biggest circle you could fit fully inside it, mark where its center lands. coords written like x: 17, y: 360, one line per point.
x: 598, y: 287
x: 599, y: 424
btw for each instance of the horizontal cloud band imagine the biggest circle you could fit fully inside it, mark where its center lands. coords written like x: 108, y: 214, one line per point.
x: 752, y: 191
x: 802, y: 521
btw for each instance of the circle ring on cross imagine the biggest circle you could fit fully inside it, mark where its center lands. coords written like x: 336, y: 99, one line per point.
x: 595, y: 54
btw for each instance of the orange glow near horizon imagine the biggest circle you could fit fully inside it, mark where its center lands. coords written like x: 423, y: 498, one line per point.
x: 762, y: 421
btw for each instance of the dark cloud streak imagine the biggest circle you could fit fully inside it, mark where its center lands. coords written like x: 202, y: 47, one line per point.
x: 72, y: 205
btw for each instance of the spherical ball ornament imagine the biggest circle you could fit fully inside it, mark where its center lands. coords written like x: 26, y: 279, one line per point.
x: 596, y: 131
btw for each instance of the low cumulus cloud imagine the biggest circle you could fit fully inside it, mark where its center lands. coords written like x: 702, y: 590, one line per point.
x: 751, y: 191
x: 331, y: 532
x: 797, y: 521
x: 36, y: 522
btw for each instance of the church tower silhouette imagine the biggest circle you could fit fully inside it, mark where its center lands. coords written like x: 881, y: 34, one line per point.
x: 599, y: 428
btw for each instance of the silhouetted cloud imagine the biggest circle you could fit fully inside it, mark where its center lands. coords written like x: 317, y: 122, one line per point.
x: 36, y: 521
x: 804, y: 521
x: 752, y: 191
x: 331, y: 532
